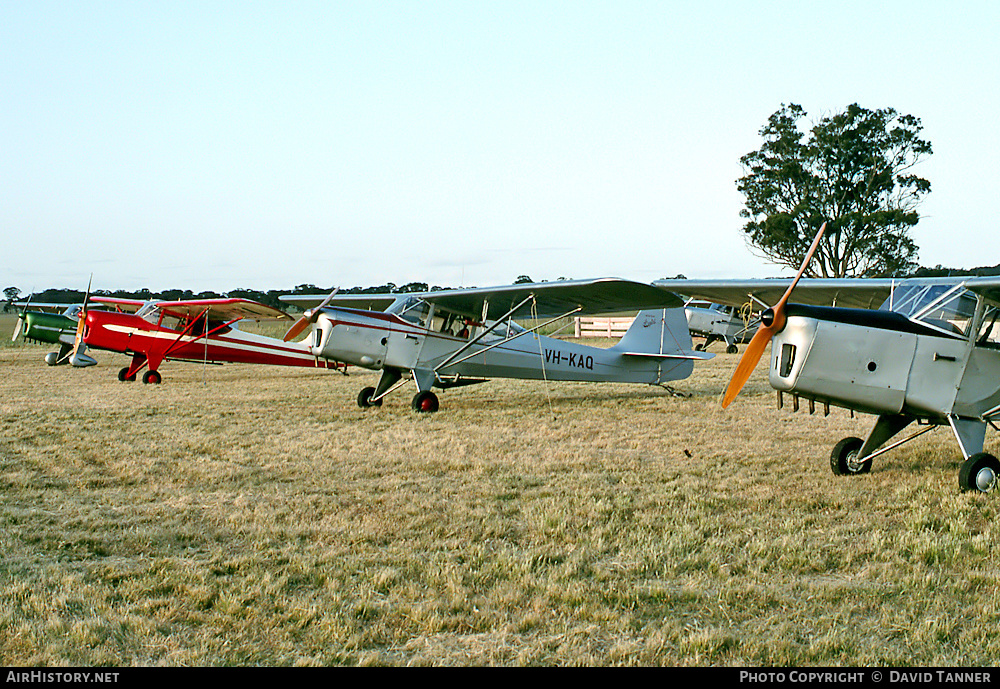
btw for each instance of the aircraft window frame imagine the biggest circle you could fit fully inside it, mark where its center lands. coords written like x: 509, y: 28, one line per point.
x: 948, y: 308
x: 411, y: 310
x: 955, y: 310
x: 172, y: 322
x: 148, y: 312
x: 505, y: 331
x: 989, y: 329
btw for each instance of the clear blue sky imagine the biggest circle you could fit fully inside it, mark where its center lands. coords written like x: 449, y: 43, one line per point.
x: 208, y: 145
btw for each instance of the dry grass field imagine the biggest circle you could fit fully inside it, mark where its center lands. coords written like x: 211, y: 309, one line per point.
x: 241, y: 515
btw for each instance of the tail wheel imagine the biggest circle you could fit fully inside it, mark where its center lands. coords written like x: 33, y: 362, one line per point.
x: 124, y: 376
x: 425, y: 402
x: 151, y: 377
x: 844, y: 458
x: 365, y: 398
x: 979, y: 472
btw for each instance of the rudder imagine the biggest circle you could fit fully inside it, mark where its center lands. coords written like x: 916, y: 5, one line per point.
x: 662, y: 332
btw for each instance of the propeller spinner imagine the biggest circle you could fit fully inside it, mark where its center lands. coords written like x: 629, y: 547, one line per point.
x: 308, y: 318
x: 771, y: 322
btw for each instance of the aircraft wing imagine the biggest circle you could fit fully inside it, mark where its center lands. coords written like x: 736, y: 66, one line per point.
x: 44, y: 307
x: 862, y: 293
x: 988, y: 287
x: 600, y: 295
x: 367, y: 302
x: 126, y: 305
x: 222, y: 309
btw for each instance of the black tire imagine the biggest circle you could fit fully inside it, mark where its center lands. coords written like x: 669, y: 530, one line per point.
x: 425, y: 402
x: 365, y: 398
x: 699, y: 347
x: 151, y: 377
x: 979, y: 473
x: 843, y: 456
x: 124, y: 377
x: 732, y: 349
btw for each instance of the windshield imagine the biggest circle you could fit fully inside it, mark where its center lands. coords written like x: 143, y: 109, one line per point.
x: 149, y: 312
x: 411, y: 309
x: 945, y: 307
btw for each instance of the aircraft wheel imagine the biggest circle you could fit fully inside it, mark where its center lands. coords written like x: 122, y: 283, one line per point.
x: 732, y: 349
x: 425, y: 402
x: 124, y: 376
x: 365, y: 398
x: 52, y: 358
x: 843, y: 459
x: 699, y: 347
x: 151, y: 377
x: 979, y: 472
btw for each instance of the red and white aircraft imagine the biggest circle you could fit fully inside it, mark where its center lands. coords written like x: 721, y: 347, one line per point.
x: 198, y: 330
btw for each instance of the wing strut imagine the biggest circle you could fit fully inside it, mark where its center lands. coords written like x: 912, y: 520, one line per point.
x: 481, y: 335
x: 449, y: 362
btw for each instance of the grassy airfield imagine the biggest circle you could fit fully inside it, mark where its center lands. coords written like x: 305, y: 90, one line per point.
x: 255, y: 515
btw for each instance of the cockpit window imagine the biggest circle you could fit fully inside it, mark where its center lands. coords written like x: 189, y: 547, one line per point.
x: 411, y: 309
x: 989, y: 331
x: 949, y: 308
x: 148, y: 312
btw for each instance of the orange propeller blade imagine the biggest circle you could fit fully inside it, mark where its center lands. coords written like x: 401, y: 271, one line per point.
x: 751, y: 356
x: 83, y: 318
x: 802, y: 269
x: 297, y: 327
x: 329, y: 297
x: 755, y: 350
x: 308, y: 317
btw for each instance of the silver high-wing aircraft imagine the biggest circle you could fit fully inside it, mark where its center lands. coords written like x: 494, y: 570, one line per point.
x: 717, y: 322
x: 929, y: 355
x: 454, y: 337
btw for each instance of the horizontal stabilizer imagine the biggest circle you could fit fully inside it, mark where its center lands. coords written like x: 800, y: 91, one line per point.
x: 676, y: 354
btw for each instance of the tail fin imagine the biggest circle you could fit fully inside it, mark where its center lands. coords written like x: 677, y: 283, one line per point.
x: 660, y: 333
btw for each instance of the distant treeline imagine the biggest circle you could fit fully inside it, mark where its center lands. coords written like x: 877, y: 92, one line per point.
x: 271, y: 297
x: 942, y: 272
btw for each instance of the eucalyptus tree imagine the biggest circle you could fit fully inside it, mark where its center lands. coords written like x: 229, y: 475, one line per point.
x: 853, y: 169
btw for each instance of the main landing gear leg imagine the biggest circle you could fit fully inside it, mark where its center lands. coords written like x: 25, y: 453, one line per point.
x: 372, y: 396
x: 846, y: 453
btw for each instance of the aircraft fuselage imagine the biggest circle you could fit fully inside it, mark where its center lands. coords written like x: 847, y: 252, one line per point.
x: 883, y: 363
x: 130, y: 334
x: 377, y: 340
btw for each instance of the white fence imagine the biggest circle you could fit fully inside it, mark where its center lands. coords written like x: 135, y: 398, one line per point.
x: 585, y: 326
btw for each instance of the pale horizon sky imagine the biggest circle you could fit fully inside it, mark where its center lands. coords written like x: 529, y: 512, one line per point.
x: 216, y: 146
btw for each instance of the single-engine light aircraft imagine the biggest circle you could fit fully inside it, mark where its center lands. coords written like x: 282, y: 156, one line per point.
x: 52, y: 324
x: 930, y: 355
x: 454, y: 337
x: 718, y: 322
x: 198, y: 330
